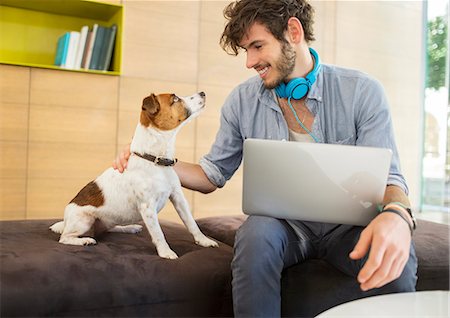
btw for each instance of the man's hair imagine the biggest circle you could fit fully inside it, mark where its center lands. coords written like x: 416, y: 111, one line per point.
x: 273, y: 14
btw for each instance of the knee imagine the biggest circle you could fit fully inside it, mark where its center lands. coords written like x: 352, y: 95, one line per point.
x: 259, y: 232
x: 258, y: 240
x: 406, y: 282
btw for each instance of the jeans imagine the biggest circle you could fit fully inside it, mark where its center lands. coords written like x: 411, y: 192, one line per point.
x: 264, y: 246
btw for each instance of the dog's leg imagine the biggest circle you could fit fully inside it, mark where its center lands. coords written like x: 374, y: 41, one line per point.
x: 150, y: 217
x: 182, y: 206
x: 131, y: 228
x: 78, y: 221
x: 58, y: 227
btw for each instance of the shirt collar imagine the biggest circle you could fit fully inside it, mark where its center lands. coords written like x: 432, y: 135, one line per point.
x: 316, y: 91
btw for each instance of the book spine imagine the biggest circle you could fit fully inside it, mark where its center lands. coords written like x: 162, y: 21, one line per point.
x: 61, y: 49
x: 81, y: 46
x: 72, y: 50
x: 86, y: 48
x: 109, y: 48
x: 104, y: 48
x: 91, y: 46
x: 98, y: 43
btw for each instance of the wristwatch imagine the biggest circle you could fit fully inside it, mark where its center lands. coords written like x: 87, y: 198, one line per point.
x: 413, y: 218
x: 410, y: 212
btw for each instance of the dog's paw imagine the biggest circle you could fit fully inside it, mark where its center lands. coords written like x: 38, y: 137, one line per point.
x: 77, y: 240
x: 88, y: 241
x: 134, y: 228
x: 205, y: 242
x: 168, y: 253
x: 131, y: 229
x: 58, y: 227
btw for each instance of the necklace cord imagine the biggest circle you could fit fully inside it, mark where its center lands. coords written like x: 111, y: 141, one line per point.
x: 300, y: 122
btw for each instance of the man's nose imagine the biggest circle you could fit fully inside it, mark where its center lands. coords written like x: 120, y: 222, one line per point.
x: 251, y: 60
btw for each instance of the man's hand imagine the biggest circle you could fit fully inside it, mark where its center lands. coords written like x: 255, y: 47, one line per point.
x: 121, y: 161
x: 388, y: 237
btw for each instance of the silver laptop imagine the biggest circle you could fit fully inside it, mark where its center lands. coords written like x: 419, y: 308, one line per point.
x: 314, y: 182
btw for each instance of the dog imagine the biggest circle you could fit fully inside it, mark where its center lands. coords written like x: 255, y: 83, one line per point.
x: 114, y: 200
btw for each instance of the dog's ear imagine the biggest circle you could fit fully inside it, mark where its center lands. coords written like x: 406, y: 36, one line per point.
x: 151, y: 105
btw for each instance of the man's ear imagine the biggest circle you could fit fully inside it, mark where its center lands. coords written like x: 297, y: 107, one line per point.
x: 151, y: 105
x: 295, y: 30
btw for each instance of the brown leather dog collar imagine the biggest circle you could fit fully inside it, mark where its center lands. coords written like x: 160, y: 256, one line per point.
x: 157, y: 160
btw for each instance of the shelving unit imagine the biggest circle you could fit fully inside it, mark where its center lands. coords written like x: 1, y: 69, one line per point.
x: 30, y: 29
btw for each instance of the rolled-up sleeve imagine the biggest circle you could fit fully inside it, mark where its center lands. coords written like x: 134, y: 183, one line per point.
x: 225, y: 155
x: 375, y: 127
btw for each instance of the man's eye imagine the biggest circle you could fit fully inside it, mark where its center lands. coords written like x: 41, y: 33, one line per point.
x: 258, y: 47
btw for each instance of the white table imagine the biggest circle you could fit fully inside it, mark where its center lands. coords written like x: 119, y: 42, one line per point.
x: 419, y: 304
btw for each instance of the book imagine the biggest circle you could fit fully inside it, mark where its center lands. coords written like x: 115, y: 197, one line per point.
x: 81, y: 44
x: 72, y: 50
x: 91, y: 46
x: 87, y: 46
x: 97, y: 48
x: 102, y: 54
x: 61, y: 49
x: 106, y: 59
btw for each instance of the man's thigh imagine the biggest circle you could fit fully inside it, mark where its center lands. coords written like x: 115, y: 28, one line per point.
x: 338, y: 245
x: 261, y: 234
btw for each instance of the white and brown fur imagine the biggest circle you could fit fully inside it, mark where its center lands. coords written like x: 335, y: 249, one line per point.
x: 114, y: 201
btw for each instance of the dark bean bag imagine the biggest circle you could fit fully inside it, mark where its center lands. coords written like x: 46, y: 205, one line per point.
x: 121, y: 276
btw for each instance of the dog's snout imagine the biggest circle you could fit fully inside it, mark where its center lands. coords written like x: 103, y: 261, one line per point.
x: 202, y: 94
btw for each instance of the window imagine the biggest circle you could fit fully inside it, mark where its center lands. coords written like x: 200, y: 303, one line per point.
x: 436, y: 151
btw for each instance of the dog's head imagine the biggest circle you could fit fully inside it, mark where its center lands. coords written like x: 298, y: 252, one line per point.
x: 169, y: 111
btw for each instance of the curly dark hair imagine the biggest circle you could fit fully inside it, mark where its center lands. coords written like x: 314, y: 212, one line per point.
x: 274, y: 14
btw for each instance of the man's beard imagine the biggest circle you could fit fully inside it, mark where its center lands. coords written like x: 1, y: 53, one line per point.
x: 284, y: 65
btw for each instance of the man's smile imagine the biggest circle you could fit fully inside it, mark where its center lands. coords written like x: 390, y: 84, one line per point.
x: 262, y: 71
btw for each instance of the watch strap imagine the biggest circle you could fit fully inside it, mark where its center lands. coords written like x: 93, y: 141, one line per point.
x: 400, y: 214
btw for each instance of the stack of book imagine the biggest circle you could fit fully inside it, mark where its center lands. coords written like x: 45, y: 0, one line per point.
x: 88, y: 49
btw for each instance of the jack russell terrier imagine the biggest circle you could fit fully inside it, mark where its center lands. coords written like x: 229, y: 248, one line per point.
x: 141, y: 191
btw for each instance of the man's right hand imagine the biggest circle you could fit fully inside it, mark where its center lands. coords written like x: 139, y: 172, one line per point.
x: 121, y: 161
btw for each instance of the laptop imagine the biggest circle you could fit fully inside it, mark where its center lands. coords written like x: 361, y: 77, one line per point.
x: 314, y: 182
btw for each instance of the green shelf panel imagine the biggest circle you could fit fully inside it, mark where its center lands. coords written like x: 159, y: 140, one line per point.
x: 29, y: 29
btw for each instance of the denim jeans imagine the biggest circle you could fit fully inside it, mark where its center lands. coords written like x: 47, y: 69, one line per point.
x: 264, y: 246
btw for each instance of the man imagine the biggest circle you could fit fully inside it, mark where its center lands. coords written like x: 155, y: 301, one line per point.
x: 339, y: 106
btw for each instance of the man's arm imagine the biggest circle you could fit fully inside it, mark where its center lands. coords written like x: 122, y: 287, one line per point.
x: 388, y: 237
x: 191, y: 175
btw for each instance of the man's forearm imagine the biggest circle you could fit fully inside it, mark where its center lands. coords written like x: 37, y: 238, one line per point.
x: 396, y: 198
x: 193, y: 177
x: 395, y: 194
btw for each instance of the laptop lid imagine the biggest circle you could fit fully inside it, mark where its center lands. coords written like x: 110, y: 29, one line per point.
x: 314, y: 182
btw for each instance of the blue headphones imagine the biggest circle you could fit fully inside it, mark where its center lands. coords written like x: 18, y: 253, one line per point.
x: 299, y: 87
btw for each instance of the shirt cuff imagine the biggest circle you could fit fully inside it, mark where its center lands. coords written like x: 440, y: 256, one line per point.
x: 212, y: 172
x: 394, y: 180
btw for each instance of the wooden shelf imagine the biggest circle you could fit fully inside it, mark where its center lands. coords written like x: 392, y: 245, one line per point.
x: 30, y: 29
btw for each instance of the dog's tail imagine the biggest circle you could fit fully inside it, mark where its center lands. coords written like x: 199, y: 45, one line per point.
x: 58, y: 227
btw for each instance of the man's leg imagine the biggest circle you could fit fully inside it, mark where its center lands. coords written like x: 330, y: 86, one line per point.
x: 263, y: 247
x: 341, y: 242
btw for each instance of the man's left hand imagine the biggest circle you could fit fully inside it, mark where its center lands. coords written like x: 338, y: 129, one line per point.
x: 389, y: 239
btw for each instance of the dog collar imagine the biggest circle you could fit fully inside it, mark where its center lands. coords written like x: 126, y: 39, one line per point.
x: 157, y: 160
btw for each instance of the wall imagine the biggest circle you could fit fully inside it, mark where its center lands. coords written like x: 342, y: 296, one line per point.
x: 59, y: 129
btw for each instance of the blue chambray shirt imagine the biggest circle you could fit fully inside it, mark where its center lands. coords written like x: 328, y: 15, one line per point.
x: 348, y: 106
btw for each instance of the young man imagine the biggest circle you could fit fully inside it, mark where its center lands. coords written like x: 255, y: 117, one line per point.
x: 337, y: 106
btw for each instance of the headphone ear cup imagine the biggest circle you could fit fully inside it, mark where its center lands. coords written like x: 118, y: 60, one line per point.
x: 281, y: 90
x: 297, y: 88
